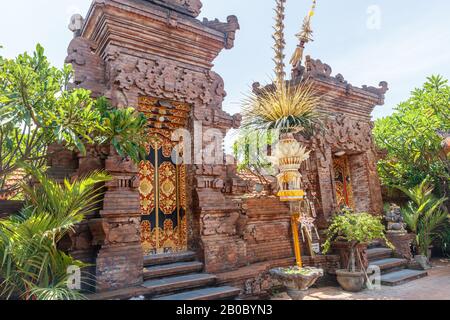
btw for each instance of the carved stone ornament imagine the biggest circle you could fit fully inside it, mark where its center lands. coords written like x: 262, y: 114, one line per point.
x: 192, y: 7
x: 229, y: 28
x: 347, y: 134
x: 165, y: 79
x: 381, y: 91
x: 316, y: 68
x: 87, y: 65
x: 76, y: 24
x: 342, y: 133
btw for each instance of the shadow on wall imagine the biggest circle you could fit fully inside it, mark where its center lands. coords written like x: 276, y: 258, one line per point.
x: 9, y: 207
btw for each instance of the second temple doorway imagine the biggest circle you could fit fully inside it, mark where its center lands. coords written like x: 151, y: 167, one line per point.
x: 343, y: 182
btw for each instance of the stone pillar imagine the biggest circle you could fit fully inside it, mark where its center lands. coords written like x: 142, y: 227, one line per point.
x: 360, y: 182
x: 222, y: 246
x: 326, y: 181
x: 376, y: 195
x: 365, y: 182
x: 120, y: 259
x: 402, y: 243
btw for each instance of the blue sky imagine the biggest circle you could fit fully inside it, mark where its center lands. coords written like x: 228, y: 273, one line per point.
x: 411, y: 43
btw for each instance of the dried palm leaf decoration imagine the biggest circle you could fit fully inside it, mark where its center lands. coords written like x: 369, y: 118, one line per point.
x: 305, y: 36
x: 281, y: 106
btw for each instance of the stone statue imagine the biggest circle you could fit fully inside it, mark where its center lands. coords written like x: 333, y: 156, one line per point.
x: 395, y: 220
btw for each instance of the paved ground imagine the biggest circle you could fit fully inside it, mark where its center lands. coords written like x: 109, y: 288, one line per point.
x: 434, y: 287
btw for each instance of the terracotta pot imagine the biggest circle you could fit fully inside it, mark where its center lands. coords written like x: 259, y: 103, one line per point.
x: 351, y: 281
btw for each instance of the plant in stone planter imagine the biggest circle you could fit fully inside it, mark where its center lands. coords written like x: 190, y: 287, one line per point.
x: 296, y: 280
x: 426, y: 217
x: 354, y: 229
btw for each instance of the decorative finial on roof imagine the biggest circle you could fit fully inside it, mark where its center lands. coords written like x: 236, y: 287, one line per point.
x: 304, y: 36
x: 76, y: 24
x: 280, y: 42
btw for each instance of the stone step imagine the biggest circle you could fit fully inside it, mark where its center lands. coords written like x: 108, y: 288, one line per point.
x: 379, y: 254
x: 402, y: 276
x: 178, y: 268
x: 390, y: 264
x: 172, y: 285
x: 167, y: 258
x: 219, y: 293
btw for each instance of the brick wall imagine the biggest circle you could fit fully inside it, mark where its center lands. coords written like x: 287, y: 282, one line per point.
x: 268, y: 231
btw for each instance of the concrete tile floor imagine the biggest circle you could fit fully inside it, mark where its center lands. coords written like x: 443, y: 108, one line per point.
x: 434, y: 287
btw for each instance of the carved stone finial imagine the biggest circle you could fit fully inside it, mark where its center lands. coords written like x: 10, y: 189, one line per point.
x: 229, y: 28
x: 316, y: 68
x: 381, y: 91
x: 76, y: 24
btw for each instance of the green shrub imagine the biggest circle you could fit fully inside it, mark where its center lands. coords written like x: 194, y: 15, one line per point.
x: 354, y: 228
x: 425, y: 215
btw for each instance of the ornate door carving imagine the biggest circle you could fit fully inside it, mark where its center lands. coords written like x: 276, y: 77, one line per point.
x: 162, y: 182
x: 342, y: 179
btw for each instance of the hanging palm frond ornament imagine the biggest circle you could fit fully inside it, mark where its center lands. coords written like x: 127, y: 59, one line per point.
x: 304, y: 36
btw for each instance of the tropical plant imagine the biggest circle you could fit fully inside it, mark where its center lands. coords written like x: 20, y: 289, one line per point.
x: 354, y: 228
x: 31, y: 265
x: 251, y: 150
x: 445, y: 241
x: 124, y: 129
x: 37, y: 110
x: 424, y: 215
x: 411, y: 137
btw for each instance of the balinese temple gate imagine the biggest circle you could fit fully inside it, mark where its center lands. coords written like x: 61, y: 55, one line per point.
x: 156, y: 56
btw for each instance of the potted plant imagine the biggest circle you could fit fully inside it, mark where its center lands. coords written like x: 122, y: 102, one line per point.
x: 426, y: 217
x: 354, y: 229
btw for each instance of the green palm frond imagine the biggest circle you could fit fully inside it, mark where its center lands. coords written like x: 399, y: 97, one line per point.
x: 31, y: 265
x: 425, y: 214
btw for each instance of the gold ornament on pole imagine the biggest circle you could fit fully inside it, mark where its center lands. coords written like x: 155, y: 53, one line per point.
x: 304, y: 36
x: 289, y: 109
x: 288, y: 157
